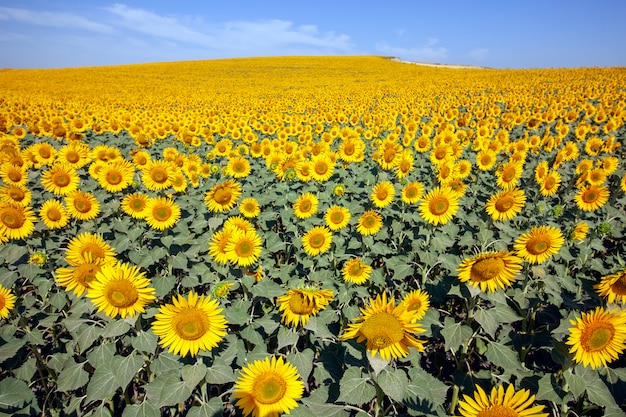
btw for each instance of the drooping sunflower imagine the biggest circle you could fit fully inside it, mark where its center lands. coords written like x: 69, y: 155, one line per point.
x: 412, y: 192
x: 89, y: 247
x: 16, y: 195
x: 7, y: 302
x: 190, y: 324
x: 382, y: 194
x: 116, y: 176
x: 322, y: 167
x: 490, y: 271
x: 223, y: 196
x: 53, y: 214
x: 506, y: 204
x: 249, y: 207
x: 598, y: 337
x: 120, y: 289
x: 337, y: 217
x: 369, y: 223
x: 157, y: 175
x: 217, y: 246
x: 439, y: 205
x: 16, y: 222
x: 135, y: 205
x: 356, y: 271
x: 267, y: 388
x: 550, y: 184
x: 78, y: 278
x: 500, y: 403
x: 417, y: 302
x: 305, y: 206
x: 317, y: 240
x: 82, y: 205
x: 161, y: 213
x: 60, y: 179
x: 592, y: 197
x: 539, y: 244
x: 298, y: 305
x: 613, y: 287
x: 243, y: 248
x: 387, y: 329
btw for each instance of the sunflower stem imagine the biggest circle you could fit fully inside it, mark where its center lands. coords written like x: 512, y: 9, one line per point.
x: 455, y: 399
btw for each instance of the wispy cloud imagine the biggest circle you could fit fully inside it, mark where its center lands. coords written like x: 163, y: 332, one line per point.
x: 479, y: 54
x: 53, y: 19
x: 429, y: 52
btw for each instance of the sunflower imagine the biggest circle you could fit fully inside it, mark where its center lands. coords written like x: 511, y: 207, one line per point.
x: 485, y: 159
x: 337, y: 217
x: 613, y: 287
x: 13, y: 175
x: 223, y: 196
x: 597, y: 176
x: 598, y: 337
x: 53, y: 214
x: 508, y: 175
x: 7, y: 302
x: 490, y: 271
x: 439, y: 205
x: 161, y: 213
x: 88, y: 247
x: 500, y: 403
x: 76, y: 154
x: 412, y: 192
x: 305, y: 206
x: 243, y: 248
x: 382, y: 194
x: 267, y: 388
x: 249, y: 207
x: 16, y: 195
x: 417, y: 302
x: 386, y: 328
x: 190, y: 324
x: 592, y: 197
x: 298, y: 305
x: 355, y: 271
x: 217, y: 246
x: 237, y: 224
x: 506, y: 204
x: 317, y: 240
x: 16, y: 222
x: 60, y: 179
x: 120, y: 289
x: 135, y: 205
x: 77, y: 278
x: 157, y: 175
x: 539, y: 244
x: 369, y: 223
x: 550, y: 184
x: 580, y: 231
x: 82, y: 206
x: 322, y: 167
x: 115, y: 176
x: 238, y: 167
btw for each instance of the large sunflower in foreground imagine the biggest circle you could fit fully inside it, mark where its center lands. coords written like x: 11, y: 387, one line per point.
x: 298, y: 305
x: 500, y: 403
x: 598, y: 337
x: 267, y: 388
x: 386, y: 328
x: 439, y: 205
x: 538, y: 245
x: 161, y: 213
x: 317, y: 240
x: 490, y: 271
x: 223, y: 196
x: 506, y: 204
x: 7, y: 302
x: 120, y: 289
x: 16, y: 222
x: 613, y: 287
x: 190, y: 324
x: 592, y: 197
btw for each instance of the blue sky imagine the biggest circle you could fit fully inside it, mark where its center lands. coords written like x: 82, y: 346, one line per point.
x: 498, y: 34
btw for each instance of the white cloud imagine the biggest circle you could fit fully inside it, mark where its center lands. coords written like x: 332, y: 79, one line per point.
x: 429, y: 52
x: 53, y: 19
x: 479, y: 54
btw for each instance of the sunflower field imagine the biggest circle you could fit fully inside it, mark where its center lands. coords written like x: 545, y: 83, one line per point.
x: 318, y: 236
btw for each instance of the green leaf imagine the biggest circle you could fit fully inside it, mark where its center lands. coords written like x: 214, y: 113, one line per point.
x: 167, y: 389
x: 354, y: 388
x: 577, y: 384
x: 393, y: 383
x: 127, y: 367
x: 86, y: 335
x: 115, y: 328
x: 178, y: 261
x: 15, y: 393
x: 488, y: 320
x: 163, y: 285
x: 267, y: 289
x: 103, y: 383
x: 377, y: 362
x: 320, y: 405
x: 303, y: 361
x: 549, y: 390
x: 72, y: 377
x: 287, y: 337
x: 10, y: 349
x: 101, y: 411
x: 212, y: 408
x: 425, y: 387
x: 455, y: 334
x: 101, y: 355
x: 219, y: 373
x: 145, y: 409
x: 503, y: 356
x: 193, y: 374
x: 252, y: 335
x: 145, y: 342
